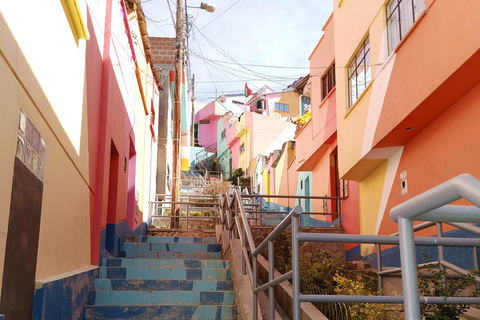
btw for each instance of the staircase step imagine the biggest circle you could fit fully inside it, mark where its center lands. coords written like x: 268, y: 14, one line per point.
x: 165, y: 263
x: 164, y: 278
x: 172, y: 247
x: 161, y: 312
x: 180, y: 285
x: 132, y: 254
x: 158, y: 239
x: 141, y: 298
x: 165, y: 273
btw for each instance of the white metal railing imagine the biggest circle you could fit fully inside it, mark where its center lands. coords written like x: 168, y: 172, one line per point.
x: 434, y: 205
x: 430, y: 206
x: 160, y: 209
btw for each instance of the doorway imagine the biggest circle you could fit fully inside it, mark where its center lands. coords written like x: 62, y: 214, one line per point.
x: 112, y: 199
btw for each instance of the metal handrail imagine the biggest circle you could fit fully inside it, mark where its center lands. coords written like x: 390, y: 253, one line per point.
x: 259, y: 211
x: 432, y: 205
x: 406, y: 242
x: 186, y: 205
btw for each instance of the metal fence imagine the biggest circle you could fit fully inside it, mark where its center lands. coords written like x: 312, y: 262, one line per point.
x: 194, y: 209
x: 429, y: 206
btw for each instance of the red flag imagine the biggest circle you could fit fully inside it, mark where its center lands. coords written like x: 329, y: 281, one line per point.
x: 247, y: 91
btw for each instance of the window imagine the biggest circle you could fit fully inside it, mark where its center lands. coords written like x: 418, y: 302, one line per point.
x: 359, y: 75
x: 401, y: 14
x: 242, y: 148
x: 224, y: 134
x: 31, y: 146
x: 281, y: 107
x: 328, y: 81
x: 305, y: 103
x: 204, y: 121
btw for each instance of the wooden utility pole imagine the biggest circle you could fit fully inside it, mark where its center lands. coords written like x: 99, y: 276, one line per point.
x: 177, y: 115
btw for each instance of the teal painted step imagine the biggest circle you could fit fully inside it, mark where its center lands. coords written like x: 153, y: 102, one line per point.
x: 141, y: 298
x: 179, y: 285
x: 172, y: 247
x: 165, y: 263
x: 133, y: 254
x: 165, y: 273
x: 164, y: 278
x: 160, y: 312
x: 178, y: 240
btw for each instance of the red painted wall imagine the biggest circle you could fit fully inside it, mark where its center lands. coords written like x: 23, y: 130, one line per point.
x: 108, y: 124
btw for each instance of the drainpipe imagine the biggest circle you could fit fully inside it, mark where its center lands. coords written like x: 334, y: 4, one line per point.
x: 134, y: 57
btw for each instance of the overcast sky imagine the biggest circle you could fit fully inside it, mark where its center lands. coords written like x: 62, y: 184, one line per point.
x: 261, y: 42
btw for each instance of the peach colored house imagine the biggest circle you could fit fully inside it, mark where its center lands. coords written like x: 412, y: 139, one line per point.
x: 407, y: 104
x: 316, y: 142
x: 254, y: 133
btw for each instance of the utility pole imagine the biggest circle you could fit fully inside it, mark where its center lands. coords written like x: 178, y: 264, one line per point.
x: 177, y: 109
x: 177, y: 116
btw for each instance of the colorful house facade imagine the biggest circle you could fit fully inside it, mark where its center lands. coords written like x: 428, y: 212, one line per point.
x: 407, y: 104
x: 75, y: 142
x: 275, y: 104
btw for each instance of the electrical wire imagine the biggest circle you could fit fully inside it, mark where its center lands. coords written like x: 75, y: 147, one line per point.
x: 219, y: 16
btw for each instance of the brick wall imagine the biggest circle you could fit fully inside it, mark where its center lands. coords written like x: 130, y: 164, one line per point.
x: 163, y: 50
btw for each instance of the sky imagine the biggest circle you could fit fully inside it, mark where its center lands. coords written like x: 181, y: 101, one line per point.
x: 258, y: 42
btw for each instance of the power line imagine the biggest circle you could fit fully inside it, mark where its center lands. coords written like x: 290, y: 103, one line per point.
x: 218, y: 16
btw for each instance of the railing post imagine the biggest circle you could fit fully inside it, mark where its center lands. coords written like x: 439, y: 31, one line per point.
x: 339, y: 210
x: 295, y: 269
x: 188, y: 212
x: 475, y: 264
x: 379, y: 268
x: 260, y: 211
x: 254, y: 286
x: 271, y: 289
x: 441, y: 253
x: 409, y: 269
x: 244, y: 245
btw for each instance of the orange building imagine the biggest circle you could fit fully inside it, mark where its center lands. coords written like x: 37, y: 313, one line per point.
x: 408, y: 102
x: 316, y: 142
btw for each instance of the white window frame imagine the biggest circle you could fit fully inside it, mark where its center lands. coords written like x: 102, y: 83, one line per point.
x: 359, y: 73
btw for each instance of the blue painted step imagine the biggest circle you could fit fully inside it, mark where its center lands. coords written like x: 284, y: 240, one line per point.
x: 165, y: 263
x: 164, y: 278
x: 165, y: 273
x: 133, y: 254
x: 141, y: 298
x: 172, y: 247
x: 178, y: 240
x: 189, y: 255
x: 186, y: 285
x: 160, y: 312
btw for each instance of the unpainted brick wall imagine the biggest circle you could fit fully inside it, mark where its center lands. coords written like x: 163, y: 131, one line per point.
x: 163, y: 50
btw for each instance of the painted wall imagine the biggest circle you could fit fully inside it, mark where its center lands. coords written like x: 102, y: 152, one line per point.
x: 31, y: 82
x: 429, y: 133
x: 223, y: 153
x: 291, y: 98
x: 185, y: 122
x: 207, y: 133
x: 266, y: 130
x: 95, y: 147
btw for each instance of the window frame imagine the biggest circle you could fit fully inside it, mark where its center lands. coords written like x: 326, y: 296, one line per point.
x: 397, y: 10
x: 328, y: 81
x: 361, y: 59
x: 281, y: 106
x: 242, y: 148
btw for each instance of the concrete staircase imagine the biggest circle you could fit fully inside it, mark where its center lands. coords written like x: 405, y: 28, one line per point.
x: 165, y: 278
